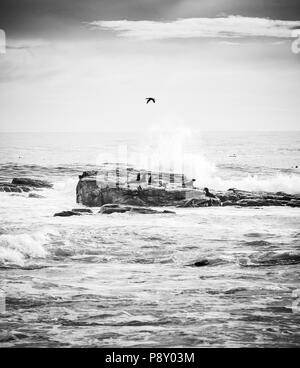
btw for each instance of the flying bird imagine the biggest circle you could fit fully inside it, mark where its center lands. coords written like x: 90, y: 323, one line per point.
x: 150, y: 99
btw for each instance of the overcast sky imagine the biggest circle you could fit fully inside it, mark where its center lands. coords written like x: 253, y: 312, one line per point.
x: 88, y: 65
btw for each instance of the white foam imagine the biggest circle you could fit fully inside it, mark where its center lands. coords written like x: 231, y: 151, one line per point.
x: 280, y: 182
x: 16, y: 248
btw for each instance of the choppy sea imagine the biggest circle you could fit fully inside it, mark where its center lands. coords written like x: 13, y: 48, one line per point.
x: 123, y: 280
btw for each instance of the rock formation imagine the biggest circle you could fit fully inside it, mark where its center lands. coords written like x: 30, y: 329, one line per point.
x: 67, y: 214
x: 20, y: 185
x: 90, y: 192
x: 116, y: 208
x: 9, y: 187
x: 32, y: 183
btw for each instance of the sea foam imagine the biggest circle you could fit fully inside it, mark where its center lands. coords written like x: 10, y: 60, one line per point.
x: 15, y: 248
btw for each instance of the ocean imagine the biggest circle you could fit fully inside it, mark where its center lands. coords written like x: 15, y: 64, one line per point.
x: 124, y: 280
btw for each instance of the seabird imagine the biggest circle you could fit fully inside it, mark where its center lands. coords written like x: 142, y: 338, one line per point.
x: 208, y: 193
x: 150, y: 99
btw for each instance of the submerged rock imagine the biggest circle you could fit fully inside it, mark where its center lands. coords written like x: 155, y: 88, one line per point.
x: 116, y: 208
x: 82, y: 210
x: 67, y: 214
x: 199, y: 263
x: 32, y: 183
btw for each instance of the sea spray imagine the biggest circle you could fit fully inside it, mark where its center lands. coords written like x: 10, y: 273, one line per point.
x: 271, y: 183
x: 15, y: 248
x: 170, y: 146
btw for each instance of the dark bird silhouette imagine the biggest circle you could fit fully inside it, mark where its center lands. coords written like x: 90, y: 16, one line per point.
x: 208, y: 193
x: 150, y: 99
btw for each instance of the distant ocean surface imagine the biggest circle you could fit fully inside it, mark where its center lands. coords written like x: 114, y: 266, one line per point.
x: 122, y: 280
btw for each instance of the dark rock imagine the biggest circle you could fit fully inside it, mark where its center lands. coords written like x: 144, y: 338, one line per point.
x: 67, y: 214
x: 200, y: 263
x: 252, y: 202
x: 200, y: 202
x: 24, y: 188
x: 9, y: 187
x: 82, y: 210
x: 32, y: 183
x: 115, y: 208
x: 108, y: 210
x: 90, y: 193
x: 294, y: 203
x: 143, y: 210
x: 134, y: 201
x: 86, y: 174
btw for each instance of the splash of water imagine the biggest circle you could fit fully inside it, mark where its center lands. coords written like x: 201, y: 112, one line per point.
x: 14, y: 249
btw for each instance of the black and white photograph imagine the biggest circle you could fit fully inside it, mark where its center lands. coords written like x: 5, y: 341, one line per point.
x: 149, y: 176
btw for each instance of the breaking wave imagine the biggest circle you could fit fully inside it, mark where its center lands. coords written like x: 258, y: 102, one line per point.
x: 15, y: 249
x: 279, y: 182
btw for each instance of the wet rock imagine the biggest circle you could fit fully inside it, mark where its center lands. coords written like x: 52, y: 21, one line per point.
x: 107, y: 210
x: 90, y: 192
x: 67, y: 214
x: 116, y: 208
x: 82, y: 210
x: 32, y: 183
x: 294, y: 203
x: 134, y: 201
x: 9, y: 187
x: 251, y: 202
x: 200, y: 202
x: 199, y: 263
x: 86, y: 174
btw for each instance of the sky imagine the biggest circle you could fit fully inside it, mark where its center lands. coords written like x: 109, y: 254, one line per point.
x: 74, y: 65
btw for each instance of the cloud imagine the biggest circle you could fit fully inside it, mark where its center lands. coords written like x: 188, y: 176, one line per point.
x: 223, y: 27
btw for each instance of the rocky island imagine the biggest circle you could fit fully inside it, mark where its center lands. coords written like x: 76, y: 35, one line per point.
x: 92, y: 191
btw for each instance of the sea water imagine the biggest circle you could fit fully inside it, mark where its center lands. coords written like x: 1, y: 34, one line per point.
x: 124, y: 280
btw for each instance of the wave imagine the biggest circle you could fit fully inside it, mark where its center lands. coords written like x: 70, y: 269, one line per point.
x: 277, y: 183
x: 16, y: 248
